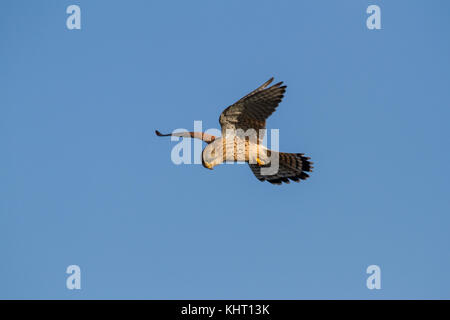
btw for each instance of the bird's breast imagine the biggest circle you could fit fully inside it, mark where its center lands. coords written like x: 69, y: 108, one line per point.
x: 240, y: 148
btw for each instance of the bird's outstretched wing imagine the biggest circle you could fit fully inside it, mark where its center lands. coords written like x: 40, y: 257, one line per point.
x: 251, y: 111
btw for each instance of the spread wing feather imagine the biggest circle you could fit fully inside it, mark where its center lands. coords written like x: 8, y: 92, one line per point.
x: 251, y: 111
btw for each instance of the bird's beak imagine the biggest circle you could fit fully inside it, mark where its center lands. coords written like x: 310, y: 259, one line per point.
x: 208, y: 165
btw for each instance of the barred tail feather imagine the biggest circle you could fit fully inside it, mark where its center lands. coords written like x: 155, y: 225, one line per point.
x: 292, y: 166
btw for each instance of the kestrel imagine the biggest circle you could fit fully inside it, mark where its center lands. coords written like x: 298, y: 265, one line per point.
x: 243, y: 125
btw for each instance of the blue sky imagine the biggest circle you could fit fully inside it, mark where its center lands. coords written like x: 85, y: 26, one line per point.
x: 85, y: 181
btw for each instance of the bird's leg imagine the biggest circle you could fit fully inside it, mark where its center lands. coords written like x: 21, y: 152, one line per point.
x: 258, y: 160
x: 195, y: 135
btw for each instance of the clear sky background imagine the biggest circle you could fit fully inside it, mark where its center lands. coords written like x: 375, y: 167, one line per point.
x: 84, y: 180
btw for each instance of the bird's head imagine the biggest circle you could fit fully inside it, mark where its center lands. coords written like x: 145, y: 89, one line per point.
x: 212, y: 155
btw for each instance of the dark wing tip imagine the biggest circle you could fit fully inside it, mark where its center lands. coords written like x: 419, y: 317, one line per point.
x: 266, y: 84
x: 278, y: 84
x: 159, y: 134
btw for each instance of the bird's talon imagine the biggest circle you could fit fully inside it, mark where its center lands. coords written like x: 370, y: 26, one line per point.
x: 261, y: 163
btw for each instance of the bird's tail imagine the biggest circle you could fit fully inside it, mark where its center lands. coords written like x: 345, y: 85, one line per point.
x: 292, y: 166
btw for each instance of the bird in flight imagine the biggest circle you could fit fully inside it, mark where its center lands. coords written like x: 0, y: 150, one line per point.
x: 243, y: 124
